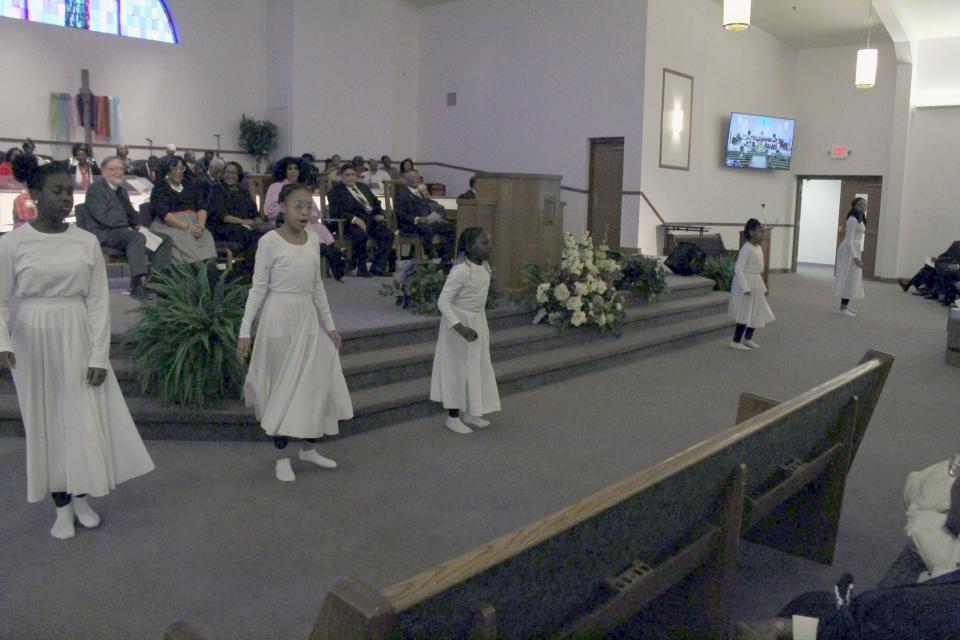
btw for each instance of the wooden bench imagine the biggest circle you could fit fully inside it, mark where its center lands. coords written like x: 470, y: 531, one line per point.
x: 658, y: 548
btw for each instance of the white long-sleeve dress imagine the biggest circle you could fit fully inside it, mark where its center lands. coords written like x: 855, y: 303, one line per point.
x: 463, y: 375
x: 848, y: 283
x: 751, y: 310
x: 295, y: 381
x: 55, y: 318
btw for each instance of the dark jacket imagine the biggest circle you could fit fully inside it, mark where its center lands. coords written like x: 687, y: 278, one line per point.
x: 106, y: 209
x: 408, y: 207
x: 342, y: 204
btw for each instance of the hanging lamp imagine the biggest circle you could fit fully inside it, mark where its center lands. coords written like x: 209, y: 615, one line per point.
x: 866, y: 75
x: 736, y: 15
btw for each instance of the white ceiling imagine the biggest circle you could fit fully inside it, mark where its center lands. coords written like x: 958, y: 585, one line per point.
x: 925, y: 19
x: 812, y: 24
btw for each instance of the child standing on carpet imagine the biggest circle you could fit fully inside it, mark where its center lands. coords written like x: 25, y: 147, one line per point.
x: 848, y: 276
x: 748, y: 295
x: 295, y: 381
x: 463, y: 378
x: 80, y: 438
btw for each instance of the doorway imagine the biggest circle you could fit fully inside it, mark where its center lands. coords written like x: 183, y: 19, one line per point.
x: 605, y: 197
x: 822, y: 206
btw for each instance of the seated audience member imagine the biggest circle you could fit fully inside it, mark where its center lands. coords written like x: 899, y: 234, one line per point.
x: 406, y: 166
x: 123, y: 152
x: 180, y: 213
x: 414, y: 215
x: 353, y: 201
x: 82, y: 166
x: 286, y: 171
x: 940, y: 280
x: 332, y: 169
x: 469, y: 194
x: 24, y: 208
x: 6, y: 169
x: 211, y: 178
x: 30, y: 149
x: 207, y: 158
x: 375, y: 177
x: 360, y: 166
x: 232, y: 214
x: 387, y: 165
x: 312, y: 178
x: 171, y: 150
x: 435, y: 207
x: 112, y: 218
x: 192, y: 170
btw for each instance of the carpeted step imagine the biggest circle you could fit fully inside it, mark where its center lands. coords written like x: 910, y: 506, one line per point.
x: 392, y: 403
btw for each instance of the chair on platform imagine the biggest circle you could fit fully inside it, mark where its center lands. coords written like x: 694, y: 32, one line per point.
x: 112, y: 257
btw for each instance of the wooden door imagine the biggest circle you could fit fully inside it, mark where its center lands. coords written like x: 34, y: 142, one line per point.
x: 850, y: 189
x: 606, y: 190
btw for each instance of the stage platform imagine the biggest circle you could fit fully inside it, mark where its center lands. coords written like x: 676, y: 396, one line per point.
x: 387, y: 356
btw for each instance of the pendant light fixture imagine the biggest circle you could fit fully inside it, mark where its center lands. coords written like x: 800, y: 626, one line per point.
x: 866, y: 75
x: 736, y: 15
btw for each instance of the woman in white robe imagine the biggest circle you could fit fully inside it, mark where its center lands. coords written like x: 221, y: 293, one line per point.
x: 463, y: 378
x: 295, y: 381
x: 55, y: 337
x: 848, y: 272
x: 748, y: 294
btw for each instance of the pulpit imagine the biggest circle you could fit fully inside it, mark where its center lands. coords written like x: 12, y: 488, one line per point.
x: 524, y: 216
x: 765, y: 245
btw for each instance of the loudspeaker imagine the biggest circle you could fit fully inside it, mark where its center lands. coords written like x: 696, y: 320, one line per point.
x: 686, y: 260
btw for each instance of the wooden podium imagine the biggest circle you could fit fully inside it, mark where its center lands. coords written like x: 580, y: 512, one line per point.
x: 765, y: 245
x: 524, y: 216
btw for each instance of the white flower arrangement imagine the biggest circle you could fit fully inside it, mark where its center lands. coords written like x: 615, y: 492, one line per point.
x: 583, y: 292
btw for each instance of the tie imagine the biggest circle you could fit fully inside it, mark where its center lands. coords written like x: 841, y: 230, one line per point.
x: 362, y: 199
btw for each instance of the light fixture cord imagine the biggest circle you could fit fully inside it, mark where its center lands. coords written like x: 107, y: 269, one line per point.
x: 869, y: 16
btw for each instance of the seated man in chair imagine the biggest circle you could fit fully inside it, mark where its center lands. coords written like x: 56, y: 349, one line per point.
x: 112, y: 218
x: 354, y: 202
x: 939, y: 280
x: 415, y: 216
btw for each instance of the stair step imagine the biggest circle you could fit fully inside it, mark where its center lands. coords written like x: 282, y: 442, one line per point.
x: 389, y: 404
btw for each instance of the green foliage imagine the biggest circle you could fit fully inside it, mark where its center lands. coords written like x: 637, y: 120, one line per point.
x: 719, y: 268
x: 185, y: 342
x: 643, y: 275
x: 258, y: 138
x: 419, y: 287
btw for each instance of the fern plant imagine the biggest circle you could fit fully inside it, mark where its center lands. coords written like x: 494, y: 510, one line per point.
x: 643, y: 275
x: 719, y: 268
x: 185, y: 341
x: 418, y: 288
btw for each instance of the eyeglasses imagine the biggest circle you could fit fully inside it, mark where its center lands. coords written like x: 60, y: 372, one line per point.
x: 301, y: 206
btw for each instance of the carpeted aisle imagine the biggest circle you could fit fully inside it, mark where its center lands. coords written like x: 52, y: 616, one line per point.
x: 212, y: 537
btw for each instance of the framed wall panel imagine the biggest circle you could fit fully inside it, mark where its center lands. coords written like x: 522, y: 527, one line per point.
x: 676, y: 119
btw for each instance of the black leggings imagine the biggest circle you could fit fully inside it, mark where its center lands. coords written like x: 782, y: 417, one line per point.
x: 844, y: 302
x: 742, y: 331
x: 281, y: 442
x: 62, y: 498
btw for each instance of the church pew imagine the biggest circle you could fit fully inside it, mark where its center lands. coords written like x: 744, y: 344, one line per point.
x: 659, y: 547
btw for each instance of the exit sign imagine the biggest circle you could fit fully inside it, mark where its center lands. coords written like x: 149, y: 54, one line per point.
x: 839, y: 151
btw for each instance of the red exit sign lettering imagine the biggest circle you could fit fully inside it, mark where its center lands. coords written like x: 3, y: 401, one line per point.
x: 839, y: 151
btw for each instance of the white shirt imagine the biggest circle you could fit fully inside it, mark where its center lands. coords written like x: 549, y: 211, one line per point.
x: 374, y: 180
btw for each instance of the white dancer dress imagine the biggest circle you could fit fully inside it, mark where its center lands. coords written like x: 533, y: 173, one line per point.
x: 848, y: 282
x: 295, y: 381
x: 55, y: 318
x: 463, y: 375
x: 751, y: 310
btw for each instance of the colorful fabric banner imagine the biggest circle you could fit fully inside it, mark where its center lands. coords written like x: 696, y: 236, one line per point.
x: 69, y: 114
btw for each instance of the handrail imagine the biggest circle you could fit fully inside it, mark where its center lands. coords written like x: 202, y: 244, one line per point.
x: 429, y: 583
x: 67, y: 143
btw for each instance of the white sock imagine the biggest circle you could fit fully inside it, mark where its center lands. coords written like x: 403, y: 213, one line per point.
x: 63, y: 527
x: 314, y: 456
x: 456, y: 425
x: 285, y: 471
x: 475, y: 421
x: 85, y: 515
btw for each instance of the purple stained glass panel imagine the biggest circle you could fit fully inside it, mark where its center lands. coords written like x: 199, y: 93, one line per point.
x: 13, y: 9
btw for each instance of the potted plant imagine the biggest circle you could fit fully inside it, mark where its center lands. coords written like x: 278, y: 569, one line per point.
x: 258, y: 138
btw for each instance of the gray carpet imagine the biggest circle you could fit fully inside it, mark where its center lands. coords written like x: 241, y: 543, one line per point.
x: 213, y: 538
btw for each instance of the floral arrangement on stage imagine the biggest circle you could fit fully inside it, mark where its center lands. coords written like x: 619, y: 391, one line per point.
x: 418, y: 286
x: 642, y: 275
x: 582, y: 292
x: 719, y: 268
x: 185, y: 341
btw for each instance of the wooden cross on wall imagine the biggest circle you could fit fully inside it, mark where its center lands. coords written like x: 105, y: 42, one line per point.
x: 86, y: 100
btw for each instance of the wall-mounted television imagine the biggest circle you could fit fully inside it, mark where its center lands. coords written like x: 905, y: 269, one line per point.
x: 759, y: 142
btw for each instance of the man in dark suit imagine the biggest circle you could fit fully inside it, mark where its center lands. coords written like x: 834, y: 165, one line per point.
x: 941, y: 279
x: 469, y: 194
x: 354, y: 202
x: 414, y: 215
x: 112, y: 218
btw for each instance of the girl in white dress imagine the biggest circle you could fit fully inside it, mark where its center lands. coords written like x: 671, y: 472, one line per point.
x: 463, y: 378
x: 55, y: 337
x: 294, y: 382
x: 748, y: 295
x: 848, y: 273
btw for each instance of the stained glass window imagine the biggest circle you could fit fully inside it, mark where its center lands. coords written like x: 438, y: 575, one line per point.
x: 147, y: 19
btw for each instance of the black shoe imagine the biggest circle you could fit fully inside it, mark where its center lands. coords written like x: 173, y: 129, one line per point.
x: 904, y: 284
x: 140, y: 292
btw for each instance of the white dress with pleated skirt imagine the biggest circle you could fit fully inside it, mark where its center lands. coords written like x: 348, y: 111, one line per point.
x: 848, y: 282
x: 751, y: 310
x: 295, y: 381
x: 463, y: 375
x: 55, y: 318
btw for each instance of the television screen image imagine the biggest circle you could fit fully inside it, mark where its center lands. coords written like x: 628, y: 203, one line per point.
x: 759, y: 142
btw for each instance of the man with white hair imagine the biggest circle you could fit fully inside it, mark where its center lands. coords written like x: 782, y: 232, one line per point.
x: 171, y: 149
x: 211, y: 178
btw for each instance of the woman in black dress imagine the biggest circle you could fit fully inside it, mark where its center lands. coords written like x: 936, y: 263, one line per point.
x: 232, y: 215
x: 180, y: 213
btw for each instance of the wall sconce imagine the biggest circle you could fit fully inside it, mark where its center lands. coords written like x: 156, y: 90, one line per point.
x: 676, y: 123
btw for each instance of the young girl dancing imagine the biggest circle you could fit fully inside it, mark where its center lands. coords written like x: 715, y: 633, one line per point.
x: 294, y: 381
x: 80, y: 438
x: 848, y: 277
x: 748, y: 295
x: 463, y: 378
